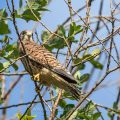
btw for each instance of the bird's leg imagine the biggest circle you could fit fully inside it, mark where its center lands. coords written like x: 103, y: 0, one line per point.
x: 36, y: 77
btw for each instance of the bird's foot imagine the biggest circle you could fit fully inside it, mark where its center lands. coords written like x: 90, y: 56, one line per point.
x: 36, y: 77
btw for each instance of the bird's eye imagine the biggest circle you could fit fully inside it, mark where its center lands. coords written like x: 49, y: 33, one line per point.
x: 24, y: 32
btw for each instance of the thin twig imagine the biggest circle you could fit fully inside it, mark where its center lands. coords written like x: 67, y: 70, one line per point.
x: 66, y: 41
x: 12, y: 87
x: 42, y: 102
x: 8, y: 6
x: 89, y: 93
x: 29, y: 107
x: 14, y: 74
x: 55, y: 105
x: 95, y: 35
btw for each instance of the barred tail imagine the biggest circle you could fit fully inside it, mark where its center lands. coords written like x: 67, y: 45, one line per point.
x: 76, y: 93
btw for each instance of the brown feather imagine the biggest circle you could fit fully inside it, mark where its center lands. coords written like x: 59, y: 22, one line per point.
x: 43, y: 62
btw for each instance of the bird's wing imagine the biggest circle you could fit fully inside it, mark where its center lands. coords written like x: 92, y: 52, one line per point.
x: 65, y: 75
x: 42, y: 56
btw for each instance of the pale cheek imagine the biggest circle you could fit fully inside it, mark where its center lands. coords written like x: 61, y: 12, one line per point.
x: 26, y: 37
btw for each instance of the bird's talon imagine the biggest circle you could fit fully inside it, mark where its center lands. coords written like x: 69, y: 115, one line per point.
x: 36, y: 77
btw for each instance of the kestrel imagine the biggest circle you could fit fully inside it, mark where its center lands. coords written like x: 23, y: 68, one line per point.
x: 43, y: 66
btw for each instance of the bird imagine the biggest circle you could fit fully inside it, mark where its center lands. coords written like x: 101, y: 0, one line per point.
x: 43, y: 65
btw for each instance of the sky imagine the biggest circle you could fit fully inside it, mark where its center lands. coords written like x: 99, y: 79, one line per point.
x: 57, y: 14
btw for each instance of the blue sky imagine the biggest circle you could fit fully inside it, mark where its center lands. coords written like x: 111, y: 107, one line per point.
x: 57, y: 14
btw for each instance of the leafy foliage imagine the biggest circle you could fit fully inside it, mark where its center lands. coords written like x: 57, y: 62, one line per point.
x: 4, y: 29
x: 55, y: 42
x: 74, y: 30
x: 88, y: 112
x: 66, y: 109
x: 26, y: 117
x: 65, y: 38
x: 60, y: 42
x: 35, y: 5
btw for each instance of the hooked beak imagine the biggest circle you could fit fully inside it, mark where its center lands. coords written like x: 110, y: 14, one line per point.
x: 29, y: 33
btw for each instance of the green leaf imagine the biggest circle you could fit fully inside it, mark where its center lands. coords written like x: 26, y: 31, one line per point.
x: 42, y: 2
x: 77, y: 75
x: 5, y: 39
x: 63, y: 31
x: 115, y: 105
x: 19, y: 115
x: 77, y: 60
x: 10, y: 51
x: 36, y: 6
x: 72, y: 117
x: 9, y: 47
x: 78, y: 29
x: 68, y: 95
x: 8, y: 54
x: 28, y: 15
x: 71, y: 31
x: 29, y: 112
x: 1, y: 66
x: 20, y: 3
x: 96, y: 64
x: 45, y: 35
x: 2, y: 53
x: 87, y: 57
x: 96, y: 116
x: 67, y: 108
x: 15, y: 66
x: 17, y: 15
x: 8, y: 63
x: 4, y: 29
x: 110, y: 114
x: 15, y: 54
x: 55, y: 42
x: 3, y: 13
x: 56, y: 112
x: 80, y: 66
x: 86, y: 113
x: 83, y: 116
x: 84, y: 78
x: 95, y: 52
x: 1, y: 100
x: 62, y: 103
x: 26, y: 117
x: 74, y: 29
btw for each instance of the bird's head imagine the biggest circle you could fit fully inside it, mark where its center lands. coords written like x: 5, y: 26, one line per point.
x: 26, y: 35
